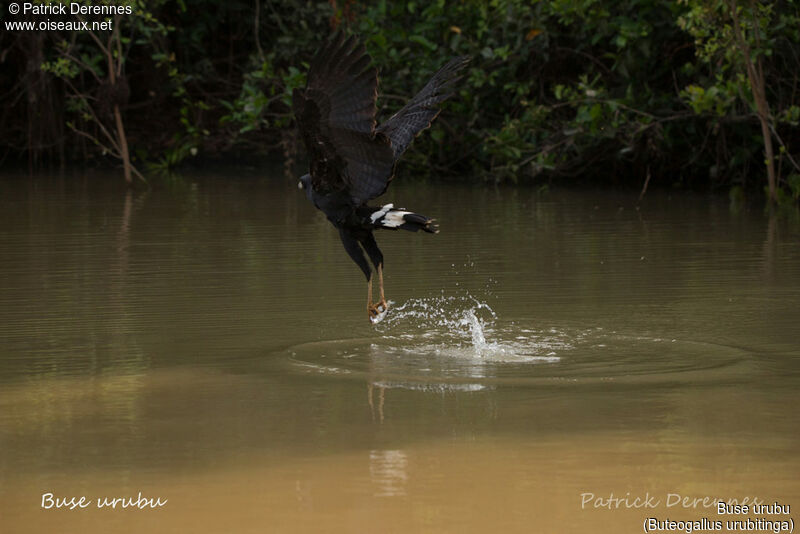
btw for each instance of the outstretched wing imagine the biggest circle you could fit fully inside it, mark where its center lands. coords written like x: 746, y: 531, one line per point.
x: 336, y: 118
x: 403, y: 126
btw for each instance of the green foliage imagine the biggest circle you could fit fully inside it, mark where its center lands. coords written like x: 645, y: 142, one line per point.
x: 61, y: 67
x: 790, y: 115
x: 261, y: 90
x: 739, y: 44
x: 553, y: 86
x: 793, y: 181
x: 717, y: 99
x: 559, y: 90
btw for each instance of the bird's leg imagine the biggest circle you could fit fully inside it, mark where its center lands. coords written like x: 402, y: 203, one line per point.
x: 367, y: 241
x: 374, y: 310
x: 371, y: 311
x: 380, y: 282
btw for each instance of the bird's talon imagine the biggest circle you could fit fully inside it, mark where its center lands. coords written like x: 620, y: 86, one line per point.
x: 374, y: 311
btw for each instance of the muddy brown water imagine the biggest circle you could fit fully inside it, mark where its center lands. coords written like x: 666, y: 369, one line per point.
x: 548, y: 359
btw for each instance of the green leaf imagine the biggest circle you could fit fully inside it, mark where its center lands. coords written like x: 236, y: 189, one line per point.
x: 419, y: 39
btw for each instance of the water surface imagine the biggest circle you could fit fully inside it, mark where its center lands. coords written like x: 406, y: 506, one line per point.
x: 207, y: 343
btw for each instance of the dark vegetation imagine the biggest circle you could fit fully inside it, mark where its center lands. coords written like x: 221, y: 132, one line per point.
x: 693, y: 93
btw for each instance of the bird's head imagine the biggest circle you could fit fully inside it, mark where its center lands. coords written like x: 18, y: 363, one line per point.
x: 305, y: 182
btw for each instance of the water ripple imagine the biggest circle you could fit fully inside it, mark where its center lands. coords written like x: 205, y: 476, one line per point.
x: 459, y: 344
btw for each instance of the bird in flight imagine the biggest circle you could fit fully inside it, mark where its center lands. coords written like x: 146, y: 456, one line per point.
x: 352, y: 159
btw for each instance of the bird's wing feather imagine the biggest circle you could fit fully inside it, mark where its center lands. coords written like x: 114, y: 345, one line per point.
x: 418, y: 114
x: 336, y: 117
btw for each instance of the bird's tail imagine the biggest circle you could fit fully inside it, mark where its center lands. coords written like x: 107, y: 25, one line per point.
x: 393, y: 218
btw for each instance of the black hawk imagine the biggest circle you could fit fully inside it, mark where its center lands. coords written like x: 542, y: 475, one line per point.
x: 352, y: 159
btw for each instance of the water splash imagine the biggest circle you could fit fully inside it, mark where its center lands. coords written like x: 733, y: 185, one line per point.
x: 478, y: 339
x: 459, y: 343
x: 462, y: 327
